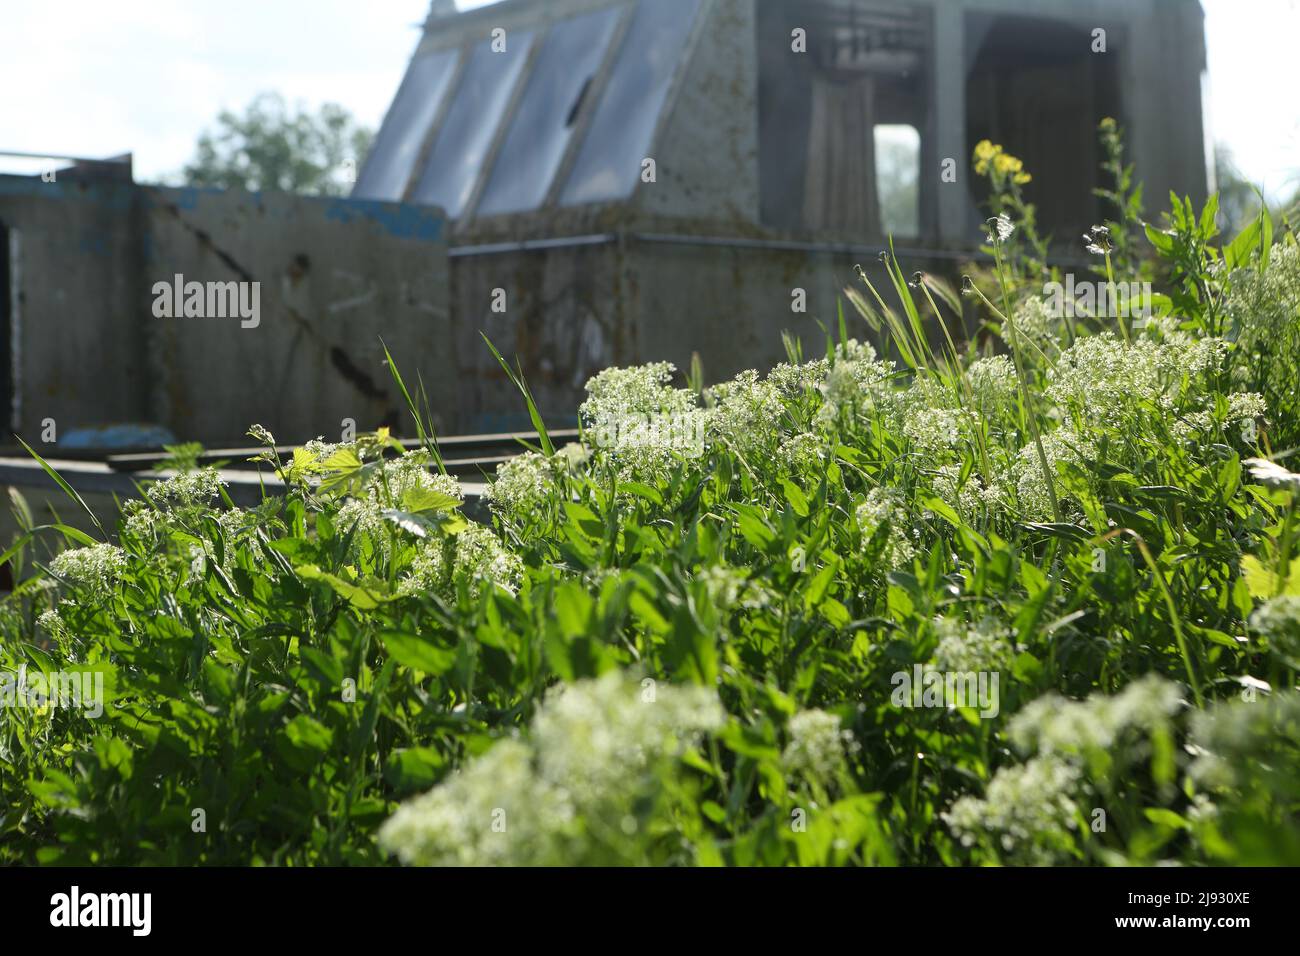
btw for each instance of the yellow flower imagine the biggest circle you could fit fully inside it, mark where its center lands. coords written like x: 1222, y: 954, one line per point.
x: 985, y: 152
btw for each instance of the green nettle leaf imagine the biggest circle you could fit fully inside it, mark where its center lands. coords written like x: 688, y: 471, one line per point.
x: 418, y: 500
x: 344, y: 459
x: 1263, y: 582
x: 820, y: 582
x: 307, y: 733
x: 798, y: 500
x: 365, y: 596
x: 419, y: 653
x: 641, y: 490
x: 1166, y: 818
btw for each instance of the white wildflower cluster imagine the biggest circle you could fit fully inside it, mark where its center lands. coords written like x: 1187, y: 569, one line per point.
x: 642, y: 388
x: 427, y: 571
x: 1054, y: 725
x: 797, y: 381
x: 818, y: 746
x: 993, y: 386
x: 1032, y: 490
x: 856, y: 384
x: 929, y: 421
x: 496, y: 812
x: 387, y: 487
x: 802, y: 454
x: 746, y: 413
x: 1265, y: 306
x: 1242, y: 407
x: 1240, y: 742
x: 1028, y: 809
x: 571, y: 455
x: 96, y: 569
x: 260, y: 434
x: 971, y: 498
x: 566, y: 795
x: 189, y: 488
x: 397, y: 477
x: 482, y: 559
x: 50, y: 622
x: 474, y: 556
x: 1279, y: 621
x: 142, y: 519
x: 986, y: 647
x: 723, y: 585
x: 53, y: 624
x: 644, y: 424
x: 1102, y: 380
x: 364, y: 518
x: 1036, y: 328
x: 322, y: 451
x: 522, y: 485
x: 883, y: 509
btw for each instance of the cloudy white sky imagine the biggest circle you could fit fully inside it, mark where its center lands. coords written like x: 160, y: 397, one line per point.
x: 96, y: 78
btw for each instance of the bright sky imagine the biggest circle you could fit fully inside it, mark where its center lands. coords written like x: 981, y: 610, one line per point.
x: 96, y: 78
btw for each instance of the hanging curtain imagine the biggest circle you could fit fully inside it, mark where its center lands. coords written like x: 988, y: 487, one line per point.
x: 840, y: 187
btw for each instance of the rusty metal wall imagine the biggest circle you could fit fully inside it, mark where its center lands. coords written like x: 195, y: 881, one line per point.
x: 335, y: 275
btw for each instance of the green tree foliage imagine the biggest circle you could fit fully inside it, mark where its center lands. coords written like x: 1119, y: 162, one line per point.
x: 274, y: 147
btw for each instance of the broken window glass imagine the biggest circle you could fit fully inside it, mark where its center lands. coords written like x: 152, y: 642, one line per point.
x: 397, y: 147
x: 471, y: 124
x: 609, y: 165
x: 544, y: 122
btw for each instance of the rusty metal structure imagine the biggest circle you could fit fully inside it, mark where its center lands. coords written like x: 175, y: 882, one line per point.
x: 637, y: 180
x: 588, y: 183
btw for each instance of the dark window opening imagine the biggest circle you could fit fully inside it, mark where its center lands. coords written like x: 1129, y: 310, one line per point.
x: 825, y: 115
x: 1036, y: 88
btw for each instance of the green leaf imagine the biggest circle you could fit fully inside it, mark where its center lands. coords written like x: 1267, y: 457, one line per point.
x: 641, y: 491
x: 418, y: 653
x: 364, y: 597
x: 798, y: 500
x: 417, y: 500
x: 821, y: 581
x: 67, y: 488
x: 1166, y: 818
x: 413, y: 769
x: 1263, y: 582
x: 307, y: 733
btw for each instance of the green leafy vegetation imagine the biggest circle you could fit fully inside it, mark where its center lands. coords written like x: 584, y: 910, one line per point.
x: 1027, y: 592
x: 272, y: 147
